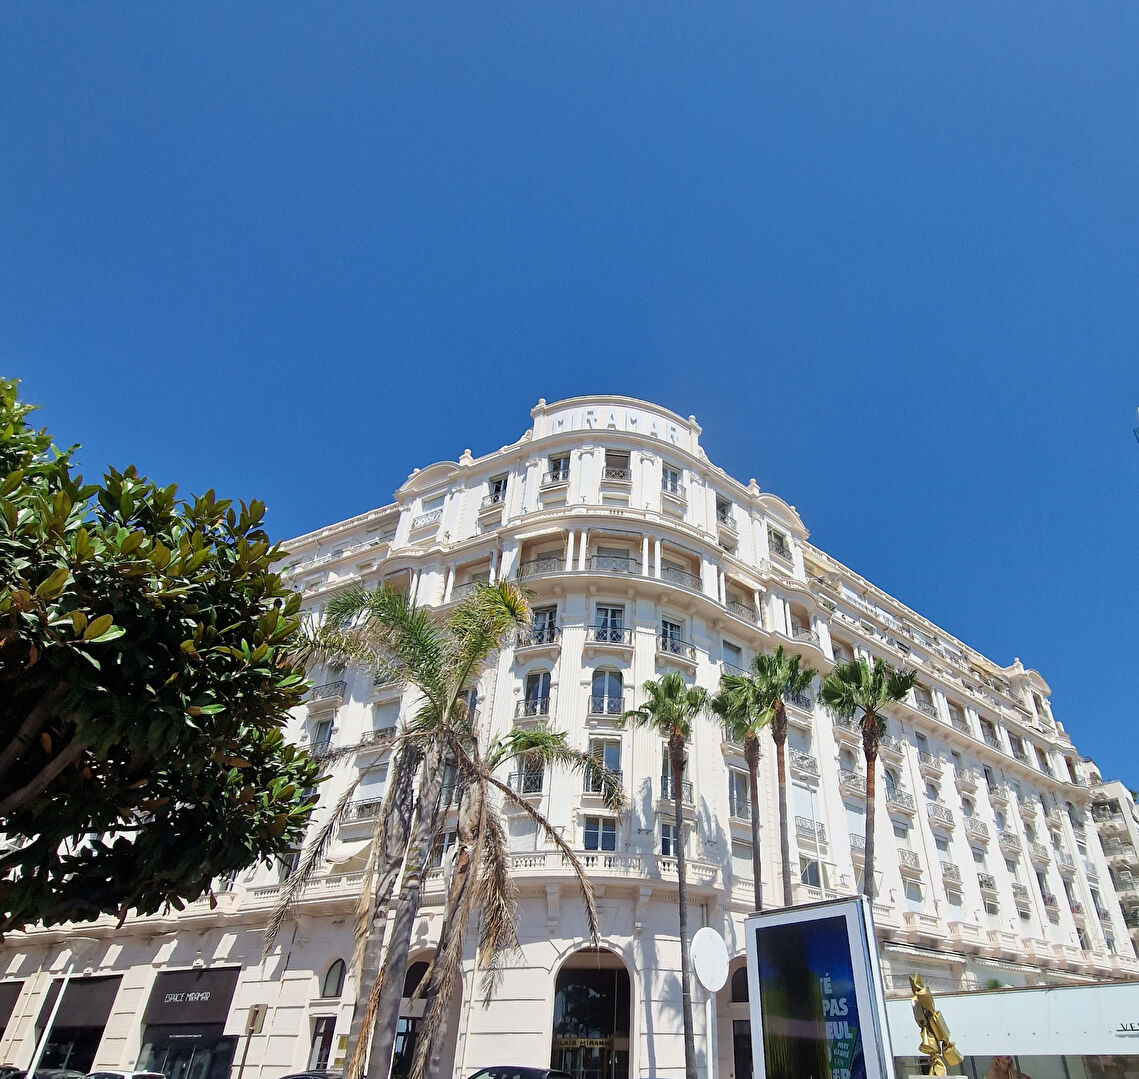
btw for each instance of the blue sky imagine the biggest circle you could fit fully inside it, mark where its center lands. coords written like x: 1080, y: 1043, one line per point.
x: 885, y: 254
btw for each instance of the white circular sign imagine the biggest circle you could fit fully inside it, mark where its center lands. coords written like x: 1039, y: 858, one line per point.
x: 710, y: 959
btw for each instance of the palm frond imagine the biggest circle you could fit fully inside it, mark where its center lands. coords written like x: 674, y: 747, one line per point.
x: 497, y: 898
x: 311, y: 860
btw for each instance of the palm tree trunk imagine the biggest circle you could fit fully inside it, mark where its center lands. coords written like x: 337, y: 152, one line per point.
x: 447, y: 966
x: 868, y: 864
x: 676, y: 753
x: 751, y: 755
x: 393, y: 829
x: 779, y: 734
x: 403, y: 921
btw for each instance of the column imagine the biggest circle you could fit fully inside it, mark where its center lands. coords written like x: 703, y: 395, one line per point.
x: 448, y: 588
x: 644, y: 556
x: 757, y: 599
x: 569, y: 550
x: 414, y: 590
x: 493, y: 566
x: 721, y: 587
x: 656, y: 557
x: 583, y: 546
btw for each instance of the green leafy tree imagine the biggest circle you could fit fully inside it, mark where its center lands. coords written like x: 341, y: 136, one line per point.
x: 146, y: 672
x: 671, y: 707
x: 855, y: 687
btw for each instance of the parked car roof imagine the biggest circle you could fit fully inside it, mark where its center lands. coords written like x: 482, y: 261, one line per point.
x: 514, y: 1071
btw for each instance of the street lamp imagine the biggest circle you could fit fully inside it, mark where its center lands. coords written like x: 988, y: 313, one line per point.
x: 79, y: 947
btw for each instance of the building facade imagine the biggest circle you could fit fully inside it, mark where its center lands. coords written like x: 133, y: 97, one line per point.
x: 640, y: 556
x: 1116, y: 819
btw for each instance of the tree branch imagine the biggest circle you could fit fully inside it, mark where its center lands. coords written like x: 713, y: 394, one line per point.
x: 46, y: 774
x: 38, y: 718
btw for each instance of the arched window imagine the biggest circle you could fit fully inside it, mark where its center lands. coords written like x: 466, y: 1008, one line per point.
x: 966, y: 807
x: 739, y: 986
x: 333, y: 980
x: 891, y: 778
x: 415, y: 975
x: 607, y: 694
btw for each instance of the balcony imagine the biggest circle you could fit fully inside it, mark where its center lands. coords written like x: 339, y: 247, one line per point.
x: 891, y: 747
x: 987, y: 882
x: 810, y: 829
x: 1038, y: 852
x: 930, y: 764
x: 666, y: 790
x: 1009, y: 841
x: 681, y: 577
x: 852, y: 782
x: 780, y: 549
x: 848, y: 730
x: 898, y: 800
x: 1019, y: 755
x: 999, y: 795
x: 676, y: 491
x: 555, y: 477
x: 1064, y: 861
x: 993, y: 741
x: 909, y: 862
x: 609, y: 636
x: 739, y: 807
x: 593, y: 784
x: 858, y: 846
x: 615, y: 563
x: 803, y: 764
x: 367, y: 809
x: 468, y: 588
x: 744, y: 611
x: 1050, y: 902
x: 1020, y: 893
x: 726, y: 522
x: 939, y: 815
x: 674, y: 647
x: 799, y: 700
x: 606, y: 706
x: 967, y: 780
x: 627, y: 866
x: 491, y: 507
x: 805, y: 634
x: 426, y: 520
x: 539, y: 637
x: 961, y: 724
x: 950, y: 872
x: 926, y: 707
x: 527, y: 783
x: 532, y: 708
x: 976, y: 829
x: 375, y: 740
x: 616, y: 475
x: 327, y: 695
x: 542, y: 567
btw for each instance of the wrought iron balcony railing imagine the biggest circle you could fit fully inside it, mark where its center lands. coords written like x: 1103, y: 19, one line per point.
x: 555, y: 475
x: 612, y: 563
x: 674, y: 646
x: 685, y: 789
x: 425, y: 519
x: 681, y: 577
x: 538, y: 636
x: 527, y: 782
x: 610, y: 634
x: 606, y: 706
x: 541, y: 567
x: 531, y: 707
x: 613, y: 474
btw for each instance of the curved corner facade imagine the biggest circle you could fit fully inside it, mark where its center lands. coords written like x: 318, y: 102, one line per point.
x: 641, y: 556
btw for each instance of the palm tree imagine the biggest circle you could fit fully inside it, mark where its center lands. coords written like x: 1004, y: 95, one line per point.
x: 854, y: 687
x: 758, y: 699
x: 480, y: 877
x: 382, y: 629
x: 441, y: 661
x: 669, y: 711
x: 743, y: 717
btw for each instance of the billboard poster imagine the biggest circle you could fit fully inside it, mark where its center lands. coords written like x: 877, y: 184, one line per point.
x: 816, y: 996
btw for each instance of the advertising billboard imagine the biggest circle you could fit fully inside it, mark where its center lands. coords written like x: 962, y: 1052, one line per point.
x: 817, y: 1008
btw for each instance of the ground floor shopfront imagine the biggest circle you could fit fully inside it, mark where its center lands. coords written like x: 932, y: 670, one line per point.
x: 193, y: 997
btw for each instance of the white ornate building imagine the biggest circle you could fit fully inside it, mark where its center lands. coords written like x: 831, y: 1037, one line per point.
x: 641, y: 556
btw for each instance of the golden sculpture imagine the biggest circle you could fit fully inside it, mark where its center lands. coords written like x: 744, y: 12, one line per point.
x: 936, y: 1045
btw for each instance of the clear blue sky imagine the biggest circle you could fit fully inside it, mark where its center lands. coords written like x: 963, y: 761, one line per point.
x: 886, y: 255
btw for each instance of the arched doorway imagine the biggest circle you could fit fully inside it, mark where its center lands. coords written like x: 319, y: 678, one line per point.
x: 592, y: 1009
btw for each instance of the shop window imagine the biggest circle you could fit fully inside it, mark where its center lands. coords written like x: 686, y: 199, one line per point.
x: 333, y: 980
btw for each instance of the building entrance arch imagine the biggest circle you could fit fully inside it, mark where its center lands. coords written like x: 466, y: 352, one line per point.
x: 592, y: 1012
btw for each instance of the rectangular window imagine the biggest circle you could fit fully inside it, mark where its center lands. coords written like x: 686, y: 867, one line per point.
x: 558, y: 469
x: 809, y: 872
x: 723, y: 509
x: 671, y: 480
x: 992, y: 907
x: 323, y: 1030
x: 733, y: 654
x: 978, y: 856
x: 441, y: 849
x: 667, y: 840
x: 777, y: 541
x: 610, y: 624
x: 497, y: 489
x: 616, y: 467
x: 941, y: 843
x: 608, y: 752
x: 739, y: 794
x: 901, y: 830
x: 600, y: 833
